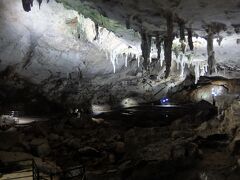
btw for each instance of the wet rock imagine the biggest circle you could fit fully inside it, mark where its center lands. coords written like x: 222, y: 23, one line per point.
x: 26, y: 145
x: 38, y: 142
x: 47, y: 166
x: 178, y: 152
x: 234, y: 146
x: 6, y: 156
x: 112, y: 158
x: 103, y: 175
x: 53, y: 137
x: 120, y: 147
x: 124, y: 165
x: 238, y: 163
x: 203, y: 127
x: 89, y: 151
x: 159, y: 151
x: 77, y: 123
x: 181, y: 134
x: 140, y: 137
x: 12, y: 129
x: 74, y: 143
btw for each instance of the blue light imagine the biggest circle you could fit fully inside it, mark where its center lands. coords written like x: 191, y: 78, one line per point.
x: 164, y: 100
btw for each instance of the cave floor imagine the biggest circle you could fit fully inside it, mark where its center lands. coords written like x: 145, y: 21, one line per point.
x: 114, y: 145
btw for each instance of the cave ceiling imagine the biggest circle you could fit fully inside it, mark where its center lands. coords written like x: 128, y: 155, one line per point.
x: 114, y: 45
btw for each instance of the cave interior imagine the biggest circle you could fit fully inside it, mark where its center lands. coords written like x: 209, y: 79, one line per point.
x: 120, y: 89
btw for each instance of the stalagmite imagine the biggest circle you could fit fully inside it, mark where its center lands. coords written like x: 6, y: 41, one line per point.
x: 190, y: 41
x: 146, y: 48
x: 210, y: 51
x: 168, y: 41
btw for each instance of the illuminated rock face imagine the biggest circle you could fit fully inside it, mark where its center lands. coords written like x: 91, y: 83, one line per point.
x: 48, y: 48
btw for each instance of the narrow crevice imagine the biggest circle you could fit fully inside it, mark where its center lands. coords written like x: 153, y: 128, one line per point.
x: 97, y: 31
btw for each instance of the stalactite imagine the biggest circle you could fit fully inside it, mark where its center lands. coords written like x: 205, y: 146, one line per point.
x: 197, y: 72
x: 182, y: 30
x: 27, y: 4
x: 128, y: 24
x: 146, y: 48
x: 168, y: 41
x: 211, y: 53
x: 138, y: 61
x: 181, y: 25
x: 39, y: 2
x: 158, y: 46
x: 113, y: 56
x: 97, y: 31
x: 126, y: 60
x: 190, y: 41
x: 219, y: 39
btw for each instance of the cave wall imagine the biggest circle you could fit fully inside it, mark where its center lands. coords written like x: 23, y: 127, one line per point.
x: 43, y: 47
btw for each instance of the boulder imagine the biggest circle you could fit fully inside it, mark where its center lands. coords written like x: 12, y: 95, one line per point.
x: 43, y: 150
x: 40, y: 147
